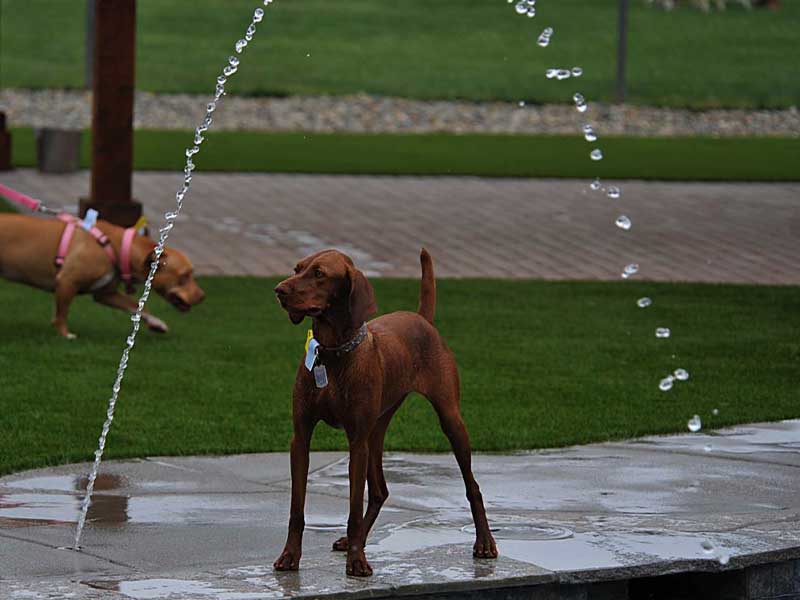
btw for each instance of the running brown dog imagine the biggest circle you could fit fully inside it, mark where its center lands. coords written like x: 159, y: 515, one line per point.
x: 370, y: 370
x: 28, y: 246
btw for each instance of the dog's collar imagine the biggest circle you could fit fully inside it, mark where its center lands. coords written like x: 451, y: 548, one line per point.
x: 348, y: 346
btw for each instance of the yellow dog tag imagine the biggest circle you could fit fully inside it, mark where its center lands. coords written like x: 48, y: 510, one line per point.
x: 309, y: 337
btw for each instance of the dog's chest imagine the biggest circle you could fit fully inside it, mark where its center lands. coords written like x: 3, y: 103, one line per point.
x: 327, y: 404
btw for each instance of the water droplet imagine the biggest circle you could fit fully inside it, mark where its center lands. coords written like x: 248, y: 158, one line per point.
x: 596, y: 154
x: 251, y: 31
x: 663, y: 332
x: 595, y: 185
x: 562, y: 74
x: 198, y: 138
x: 531, y: 2
x: 665, y: 384
x: 239, y: 46
x: 695, y: 424
x: 707, y: 546
x: 578, y: 98
x: 522, y: 103
x: 258, y: 15
x: 614, y: 192
x: 135, y: 317
x: 623, y: 222
x: 724, y: 559
x: 531, y: 12
x: 577, y: 71
x: 521, y: 8
x: 550, y: 73
x: 644, y: 302
x: 229, y: 71
x: 707, y: 448
x: 211, y: 107
x: 582, y: 108
x: 221, y: 80
x: 267, y: 2
x: 681, y: 374
x: 544, y: 37
x: 589, y: 134
x: 233, y: 61
x: 715, y: 412
x: 630, y: 270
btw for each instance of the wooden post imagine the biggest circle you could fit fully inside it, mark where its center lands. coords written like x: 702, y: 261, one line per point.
x: 622, y: 49
x: 112, y: 112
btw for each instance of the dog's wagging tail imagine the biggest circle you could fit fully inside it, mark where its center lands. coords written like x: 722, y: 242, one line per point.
x: 427, y: 290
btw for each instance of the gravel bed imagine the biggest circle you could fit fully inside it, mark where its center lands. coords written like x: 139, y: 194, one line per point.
x: 374, y: 114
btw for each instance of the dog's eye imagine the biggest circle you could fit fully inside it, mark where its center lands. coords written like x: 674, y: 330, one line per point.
x: 319, y: 273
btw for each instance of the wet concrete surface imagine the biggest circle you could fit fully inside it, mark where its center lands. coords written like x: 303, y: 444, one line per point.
x: 210, y: 527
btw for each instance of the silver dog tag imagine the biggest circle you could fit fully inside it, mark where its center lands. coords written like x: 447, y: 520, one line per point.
x: 320, y: 376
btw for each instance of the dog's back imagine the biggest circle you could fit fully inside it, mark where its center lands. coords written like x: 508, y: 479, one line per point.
x: 24, y: 240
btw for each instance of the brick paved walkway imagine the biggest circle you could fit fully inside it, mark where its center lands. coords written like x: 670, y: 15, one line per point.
x: 260, y: 224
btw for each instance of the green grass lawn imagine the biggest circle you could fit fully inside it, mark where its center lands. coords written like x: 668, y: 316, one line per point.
x: 701, y: 159
x: 425, y: 49
x: 542, y: 364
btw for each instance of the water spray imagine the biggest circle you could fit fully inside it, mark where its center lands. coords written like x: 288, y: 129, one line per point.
x: 169, y: 217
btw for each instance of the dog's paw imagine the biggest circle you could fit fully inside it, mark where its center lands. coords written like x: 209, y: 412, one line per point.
x: 340, y: 545
x: 287, y: 561
x: 484, y: 547
x: 156, y: 324
x: 357, y: 565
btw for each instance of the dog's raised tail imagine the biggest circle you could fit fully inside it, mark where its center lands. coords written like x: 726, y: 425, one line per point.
x: 427, y: 290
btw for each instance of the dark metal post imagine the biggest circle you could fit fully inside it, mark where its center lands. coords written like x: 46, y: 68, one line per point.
x: 622, y: 49
x: 112, y: 113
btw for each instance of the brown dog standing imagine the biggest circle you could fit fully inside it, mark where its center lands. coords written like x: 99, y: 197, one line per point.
x: 28, y: 246
x: 370, y: 371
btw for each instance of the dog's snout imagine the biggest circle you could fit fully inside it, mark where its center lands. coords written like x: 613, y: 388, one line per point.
x: 281, y: 290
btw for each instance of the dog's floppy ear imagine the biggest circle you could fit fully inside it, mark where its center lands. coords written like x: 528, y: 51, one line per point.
x: 362, y: 298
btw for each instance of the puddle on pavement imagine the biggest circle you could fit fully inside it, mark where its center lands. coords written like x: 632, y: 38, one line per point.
x: 56, y: 500
x: 552, y: 547
x: 157, y: 589
x: 515, y: 530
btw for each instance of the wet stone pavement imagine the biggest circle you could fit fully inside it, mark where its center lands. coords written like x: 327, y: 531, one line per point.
x: 261, y: 224
x: 599, y: 515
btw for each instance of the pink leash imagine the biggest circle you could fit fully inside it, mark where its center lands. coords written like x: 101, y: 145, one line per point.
x: 20, y: 198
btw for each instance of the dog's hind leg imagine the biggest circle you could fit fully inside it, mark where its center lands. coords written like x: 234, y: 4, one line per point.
x: 378, y: 490
x: 445, y: 397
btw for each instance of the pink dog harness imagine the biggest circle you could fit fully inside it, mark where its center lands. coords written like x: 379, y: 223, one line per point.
x: 101, y: 238
x: 72, y: 222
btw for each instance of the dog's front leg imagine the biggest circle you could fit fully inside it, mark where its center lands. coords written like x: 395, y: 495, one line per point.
x: 114, y: 299
x: 289, y: 560
x: 357, y: 564
x: 65, y: 293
